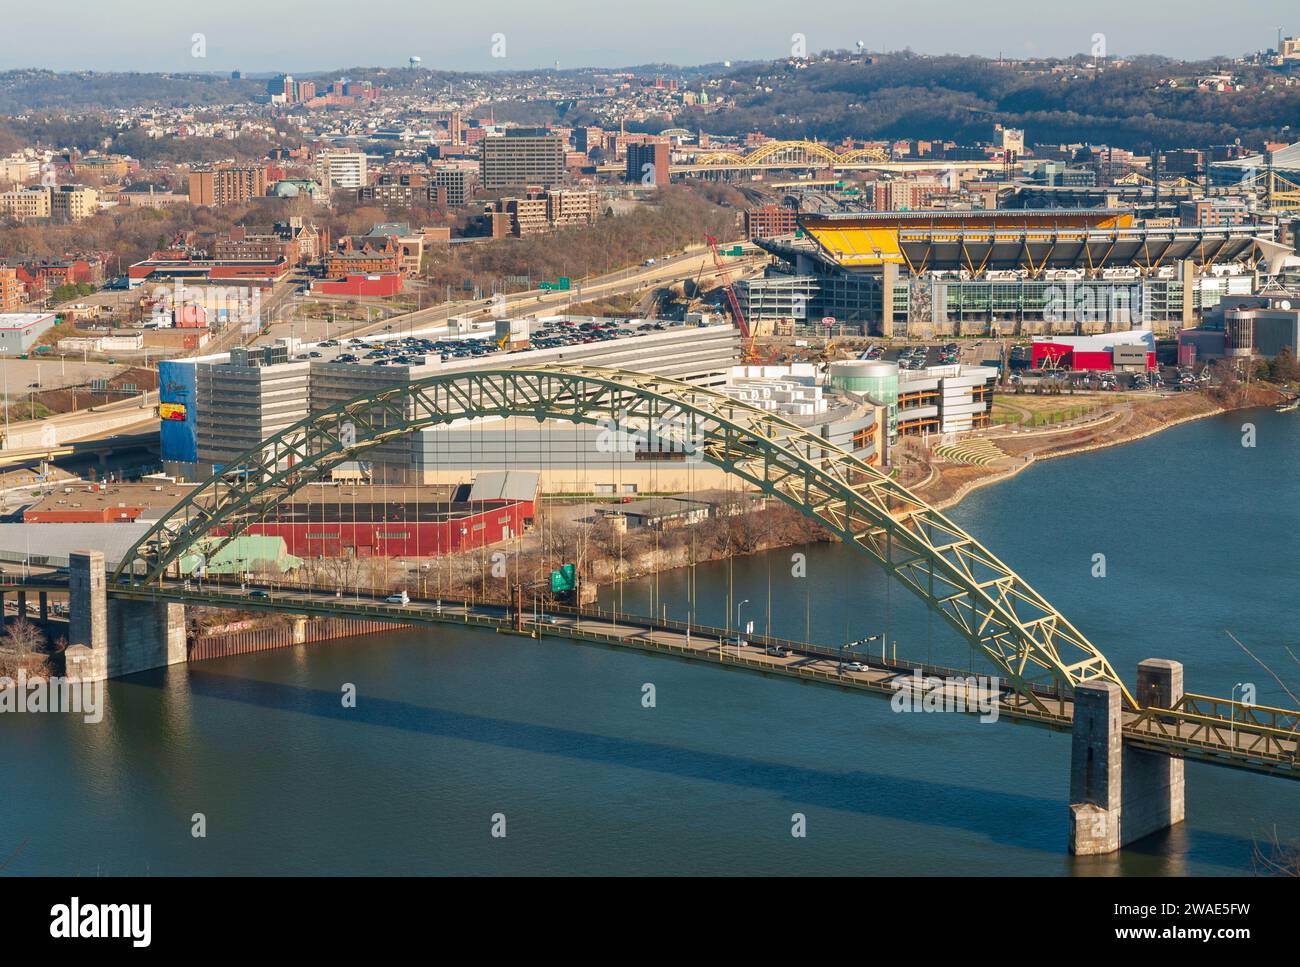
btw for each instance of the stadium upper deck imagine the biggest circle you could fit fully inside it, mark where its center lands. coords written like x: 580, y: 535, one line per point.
x: 1009, y: 240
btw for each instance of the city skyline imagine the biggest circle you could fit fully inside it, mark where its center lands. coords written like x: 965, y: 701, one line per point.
x: 514, y: 36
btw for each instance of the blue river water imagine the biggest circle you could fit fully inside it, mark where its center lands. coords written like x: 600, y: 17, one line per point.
x: 457, y: 733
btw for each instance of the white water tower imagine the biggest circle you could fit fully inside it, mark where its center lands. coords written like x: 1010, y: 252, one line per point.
x: 414, y: 62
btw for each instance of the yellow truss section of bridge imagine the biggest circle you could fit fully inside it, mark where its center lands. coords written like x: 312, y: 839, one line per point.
x: 801, y: 153
x: 1275, y: 192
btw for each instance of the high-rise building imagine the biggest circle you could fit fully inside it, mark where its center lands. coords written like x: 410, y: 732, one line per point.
x: 17, y: 170
x: 227, y: 184
x: 25, y: 203
x: 108, y: 168
x: 647, y: 164
x: 544, y: 211
x: 770, y: 221
x: 570, y: 207
x: 413, y: 190
x: 1010, y: 140
x: 457, y: 182
x: 520, y: 157
x: 585, y: 138
x: 341, y: 169
x: 11, y: 290
x: 72, y: 203
x: 906, y: 194
x: 1213, y: 212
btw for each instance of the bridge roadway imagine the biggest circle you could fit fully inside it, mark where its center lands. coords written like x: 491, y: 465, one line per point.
x: 1200, y: 728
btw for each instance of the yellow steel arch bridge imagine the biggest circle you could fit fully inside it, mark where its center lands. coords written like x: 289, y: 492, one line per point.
x: 797, y: 154
x: 996, y: 610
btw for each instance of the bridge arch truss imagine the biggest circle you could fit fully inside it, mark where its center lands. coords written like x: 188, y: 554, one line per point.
x: 799, y: 154
x: 1027, y: 640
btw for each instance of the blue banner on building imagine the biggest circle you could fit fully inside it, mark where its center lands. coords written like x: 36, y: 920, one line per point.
x: 176, y: 384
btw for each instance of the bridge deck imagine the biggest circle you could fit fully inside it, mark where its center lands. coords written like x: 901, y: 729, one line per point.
x: 1254, y: 739
x: 1201, y: 728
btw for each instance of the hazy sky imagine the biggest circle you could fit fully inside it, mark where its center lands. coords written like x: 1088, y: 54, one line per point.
x: 257, y: 35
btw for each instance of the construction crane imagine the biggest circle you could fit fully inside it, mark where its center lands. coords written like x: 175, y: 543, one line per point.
x: 750, y: 354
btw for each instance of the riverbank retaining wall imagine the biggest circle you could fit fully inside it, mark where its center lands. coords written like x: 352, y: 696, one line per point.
x: 296, y: 632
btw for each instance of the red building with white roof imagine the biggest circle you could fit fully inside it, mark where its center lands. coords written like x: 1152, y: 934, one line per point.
x: 1104, y: 352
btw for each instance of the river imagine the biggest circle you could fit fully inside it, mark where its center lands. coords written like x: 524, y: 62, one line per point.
x: 456, y: 732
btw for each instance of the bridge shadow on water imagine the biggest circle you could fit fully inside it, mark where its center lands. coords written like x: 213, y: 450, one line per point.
x: 1003, y: 817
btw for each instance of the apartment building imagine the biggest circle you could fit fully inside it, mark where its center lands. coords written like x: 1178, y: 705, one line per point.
x: 72, y: 203
x: 240, y: 246
x: 18, y: 170
x: 11, y: 290
x: 906, y: 195
x: 341, y: 169
x: 1213, y: 212
x: 227, y: 184
x: 570, y: 207
x: 457, y: 182
x: 403, y: 191
x: 648, y: 163
x: 527, y: 215
x: 770, y: 221
x: 520, y: 157
x: 25, y: 204
x: 544, y: 211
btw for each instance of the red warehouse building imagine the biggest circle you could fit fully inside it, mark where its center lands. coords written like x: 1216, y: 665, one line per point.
x: 1134, y: 350
x: 392, y: 529
x: 389, y: 284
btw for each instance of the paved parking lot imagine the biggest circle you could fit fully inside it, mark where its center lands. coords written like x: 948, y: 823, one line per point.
x: 51, y: 373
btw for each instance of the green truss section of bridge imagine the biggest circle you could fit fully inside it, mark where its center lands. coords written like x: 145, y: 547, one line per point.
x: 991, y: 606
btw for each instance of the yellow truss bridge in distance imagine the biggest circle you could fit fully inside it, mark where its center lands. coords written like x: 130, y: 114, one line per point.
x: 795, y: 153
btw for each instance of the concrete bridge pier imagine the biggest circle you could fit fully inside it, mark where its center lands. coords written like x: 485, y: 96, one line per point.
x: 123, y: 637
x: 1119, y: 795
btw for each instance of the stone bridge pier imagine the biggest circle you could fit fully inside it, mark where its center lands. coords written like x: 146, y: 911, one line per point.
x: 108, y: 639
x: 1119, y: 795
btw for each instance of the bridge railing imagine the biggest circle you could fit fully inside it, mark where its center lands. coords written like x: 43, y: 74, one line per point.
x: 1224, y: 727
x: 834, y: 652
x: 1203, y: 727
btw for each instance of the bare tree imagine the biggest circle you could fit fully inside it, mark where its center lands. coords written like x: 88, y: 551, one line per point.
x: 22, y: 637
x: 1275, y: 858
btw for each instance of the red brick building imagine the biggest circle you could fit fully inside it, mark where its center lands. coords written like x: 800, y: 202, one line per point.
x: 392, y: 529
x: 769, y: 221
x: 11, y: 290
x: 649, y: 161
x: 363, y: 255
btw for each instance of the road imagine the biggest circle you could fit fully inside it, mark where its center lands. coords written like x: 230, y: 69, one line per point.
x: 676, y: 268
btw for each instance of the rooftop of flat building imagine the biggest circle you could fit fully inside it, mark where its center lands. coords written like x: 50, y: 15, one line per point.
x: 83, y: 495
x: 22, y: 320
